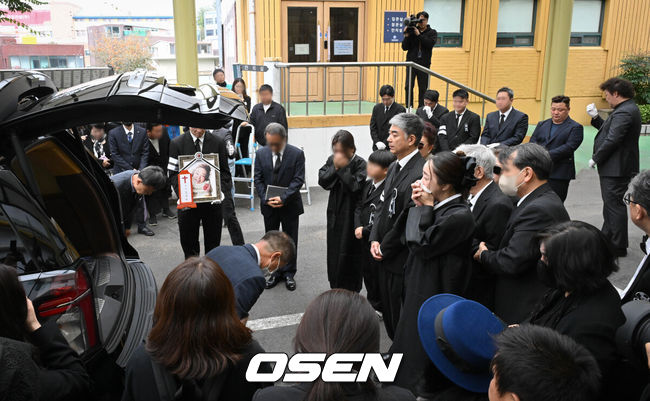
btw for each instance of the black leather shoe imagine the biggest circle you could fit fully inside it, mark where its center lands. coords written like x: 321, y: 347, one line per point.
x: 290, y: 283
x: 272, y: 282
x: 146, y: 231
x: 153, y: 221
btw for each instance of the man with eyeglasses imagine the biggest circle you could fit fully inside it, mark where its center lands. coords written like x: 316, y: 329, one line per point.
x: 638, y: 201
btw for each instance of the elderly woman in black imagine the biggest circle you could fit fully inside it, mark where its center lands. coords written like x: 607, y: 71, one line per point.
x: 576, y: 260
x: 438, y: 232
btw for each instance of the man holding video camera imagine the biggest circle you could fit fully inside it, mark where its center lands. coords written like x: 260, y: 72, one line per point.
x: 418, y: 43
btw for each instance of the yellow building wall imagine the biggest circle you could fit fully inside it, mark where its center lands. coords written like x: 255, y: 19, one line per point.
x: 479, y: 64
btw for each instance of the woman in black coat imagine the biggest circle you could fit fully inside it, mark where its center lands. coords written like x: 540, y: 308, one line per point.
x: 239, y: 87
x: 197, y: 349
x: 36, y: 362
x: 576, y: 260
x: 438, y: 232
x: 337, y: 321
x: 344, y: 175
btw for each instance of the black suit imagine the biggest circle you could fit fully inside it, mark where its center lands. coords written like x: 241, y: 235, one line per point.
x: 104, y: 150
x: 130, y: 201
x: 437, y: 114
x: 566, y: 139
x: 290, y: 174
x: 491, y: 212
x: 128, y: 155
x: 367, y: 206
x: 616, y: 153
x: 397, y: 191
x: 641, y: 283
x: 159, y: 200
x: 467, y: 130
x: 518, y: 289
x: 260, y: 119
x: 190, y: 219
x: 512, y: 131
x: 379, y: 122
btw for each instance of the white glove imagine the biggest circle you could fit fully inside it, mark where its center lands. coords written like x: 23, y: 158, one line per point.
x: 493, y: 145
x: 591, y: 110
x: 427, y: 109
x: 442, y: 130
x: 380, y: 145
x: 592, y: 163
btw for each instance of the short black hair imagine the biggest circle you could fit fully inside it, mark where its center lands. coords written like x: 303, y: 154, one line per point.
x: 216, y: 70
x: 151, y: 125
x: 266, y: 87
x: 537, y: 364
x: 432, y: 94
x: 510, y: 92
x: 462, y: 93
x: 623, y: 87
x: 578, y: 272
x: 387, y: 90
x: 423, y: 14
x: 279, y: 241
x: 562, y: 99
x: 383, y: 158
x: 531, y: 155
x: 345, y: 138
x: 99, y: 126
x: 639, y: 189
x: 153, y: 176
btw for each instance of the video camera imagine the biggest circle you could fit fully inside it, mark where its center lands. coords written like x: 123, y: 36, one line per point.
x: 411, y: 23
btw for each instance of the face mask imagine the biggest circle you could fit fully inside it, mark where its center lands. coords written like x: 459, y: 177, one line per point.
x: 508, y: 184
x: 425, y: 188
x: 266, y: 271
x: 545, y: 275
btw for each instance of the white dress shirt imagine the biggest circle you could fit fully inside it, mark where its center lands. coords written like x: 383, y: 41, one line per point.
x: 507, y: 113
x: 638, y: 270
x: 444, y: 202
x: 378, y: 183
x: 156, y: 144
x: 200, y: 140
x: 275, y: 156
x: 257, y: 252
x: 474, y: 198
x: 402, y: 162
x: 523, y: 197
x: 266, y: 107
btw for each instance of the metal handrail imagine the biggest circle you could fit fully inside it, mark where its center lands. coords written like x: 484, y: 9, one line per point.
x: 378, y: 65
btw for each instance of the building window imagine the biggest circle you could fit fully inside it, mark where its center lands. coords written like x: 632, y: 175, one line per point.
x: 209, y: 21
x: 446, y: 17
x: 587, y: 22
x: 516, y: 26
x: 113, y: 31
x: 209, y: 32
x: 172, y: 49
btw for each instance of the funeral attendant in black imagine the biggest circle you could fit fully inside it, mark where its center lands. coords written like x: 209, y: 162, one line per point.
x: 159, y: 156
x: 343, y: 175
x: 282, y: 166
x: 616, y: 154
x: 514, y: 262
x: 561, y: 136
x: 207, y: 214
x: 129, y: 147
x: 491, y: 210
x: 459, y: 125
x: 432, y: 111
x: 418, y: 44
x: 364, y: 216
x: 385, y: 239
x: 438, y: 233
x: 381, y: 115
x: 266, y: 112
x: 507, y: 125
x: 97, y: 143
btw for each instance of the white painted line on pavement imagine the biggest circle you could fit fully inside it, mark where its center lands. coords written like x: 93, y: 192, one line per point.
x: 274, y: 322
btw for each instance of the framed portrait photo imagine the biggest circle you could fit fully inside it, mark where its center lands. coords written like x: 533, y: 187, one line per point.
x: 206, y: 180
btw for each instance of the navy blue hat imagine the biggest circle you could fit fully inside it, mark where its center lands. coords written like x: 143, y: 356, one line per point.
x: 457, y: 334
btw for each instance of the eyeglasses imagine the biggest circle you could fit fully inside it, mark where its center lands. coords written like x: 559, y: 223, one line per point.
x: 420, y: 146
x: 628, y: 199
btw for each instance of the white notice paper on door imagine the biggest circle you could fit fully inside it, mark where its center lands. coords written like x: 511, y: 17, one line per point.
x: 301, y: 49
x: 343, y: 47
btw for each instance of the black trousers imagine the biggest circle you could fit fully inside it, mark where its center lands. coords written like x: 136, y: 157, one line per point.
x: 138, y: 215
x: 560, y: 187
x: 158, y: 201
x: 612, y: 190
x: 230, y: 217
x: 289, y: 226
x: 390, y: 291
x: 189, y: 222
x: 423, y: 84
x: 371, y: 277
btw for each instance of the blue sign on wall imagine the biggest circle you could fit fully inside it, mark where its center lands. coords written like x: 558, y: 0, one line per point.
x: 394, y: 26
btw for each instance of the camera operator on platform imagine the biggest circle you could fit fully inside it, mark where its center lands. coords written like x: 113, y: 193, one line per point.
x: 418, y: 43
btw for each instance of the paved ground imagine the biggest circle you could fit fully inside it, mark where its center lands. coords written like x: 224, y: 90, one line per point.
x: 277, y: 312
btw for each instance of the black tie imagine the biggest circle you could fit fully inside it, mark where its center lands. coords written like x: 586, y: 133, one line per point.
x: 129, y: 136
x: 457, y: 118
x: 398, y: 168
x: 197, y: 145
x: 276, y: 167
x: 98, y: 147
x: 371, y: 190
x: 503, y: 117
